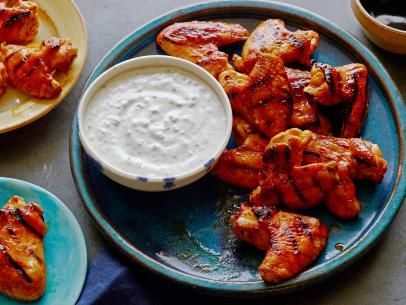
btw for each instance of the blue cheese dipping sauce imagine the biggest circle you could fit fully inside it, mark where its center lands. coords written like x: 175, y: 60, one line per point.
x: 158, y: 121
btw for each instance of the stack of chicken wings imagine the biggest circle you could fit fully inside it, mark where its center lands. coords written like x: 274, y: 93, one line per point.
x: 296, y: 126
x: 30, y: 68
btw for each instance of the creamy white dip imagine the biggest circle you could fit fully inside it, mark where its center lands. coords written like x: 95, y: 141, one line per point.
x: 155, y: 122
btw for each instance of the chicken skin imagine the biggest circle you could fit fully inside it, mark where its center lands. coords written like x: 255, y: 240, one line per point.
x: 271, y: 36
x: 362, y: 158
x: 299, y: 187
x: 346, y: 85
x: 303, y: 169
x: 242, y: 166
x: 31, y: 69
x: 263, y: 97
x: 3, y: 76
x: 292, y: 241
x: 22, y: 264
x: 245, y: 134
x: 198, y: 42
x: 18, y: 21
x: 305, y: 114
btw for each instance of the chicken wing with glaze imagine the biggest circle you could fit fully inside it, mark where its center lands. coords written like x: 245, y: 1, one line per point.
x: 198, y: 42
x: 242, y: 166
x: 292, y: 241
x: 31, y: 69
x: 305, y: 114
x: 271, y: 36
x: 18, y: 21
x: 303, y: 169
x: 362, y: 158
x: 22, y: 264
x: 263, y: 97
x: 346, y: 85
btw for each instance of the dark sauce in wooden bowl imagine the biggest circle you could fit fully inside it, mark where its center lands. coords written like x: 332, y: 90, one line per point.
x: 388, y: 12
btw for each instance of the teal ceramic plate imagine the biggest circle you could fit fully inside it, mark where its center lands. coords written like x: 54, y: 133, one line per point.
x: 65, y: 247
x: 185, y: 235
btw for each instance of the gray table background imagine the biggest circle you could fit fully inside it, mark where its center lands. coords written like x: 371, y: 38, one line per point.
x: 39, y: 153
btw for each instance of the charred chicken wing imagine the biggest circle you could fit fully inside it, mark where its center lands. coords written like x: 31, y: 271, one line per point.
x: 22, y: 264
x: 31, y: 69
x: 305, y: 114
x: 18, y: 21
x: 263, y: 97
x: 242, y: 166
x: 198, y: 42
x: 362, y: 158
x: 272, y: 37
x: 303, y: 169
x: 346, y: 85
x: 245, y: 134
x: 292, y: 241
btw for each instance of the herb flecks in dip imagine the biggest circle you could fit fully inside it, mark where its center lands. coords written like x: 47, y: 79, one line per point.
x: 155, y: 122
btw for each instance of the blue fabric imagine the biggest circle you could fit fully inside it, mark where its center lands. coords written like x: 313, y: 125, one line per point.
x: 111, y: 282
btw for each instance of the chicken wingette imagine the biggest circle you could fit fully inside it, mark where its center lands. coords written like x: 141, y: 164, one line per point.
x: 303, y: 169
x: 198, y: 42
x: 22, y: 263
x: 18, y: 21
x: 345, y: 86
x: 262, y: 98
x: 292, y: 241
x: 272, y: 37
x: 31, y: 69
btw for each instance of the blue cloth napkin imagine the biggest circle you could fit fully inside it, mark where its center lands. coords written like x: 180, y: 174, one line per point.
x: 111, y: 281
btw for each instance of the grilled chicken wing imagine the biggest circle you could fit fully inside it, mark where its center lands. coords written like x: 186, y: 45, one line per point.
x: 22, y: 265
x: 245, y: 134
x: 198, y: 42
x: 362, y: 158
x: 263, y: 97
x: 292, y: 241
x: 31, y: 69
x: 303, y: 169
x: 242, y: 166
x: 305, y: 114
x: 345, y: 85
x: 3, y: 76
x: 272, y: 37
x: 18, y: 21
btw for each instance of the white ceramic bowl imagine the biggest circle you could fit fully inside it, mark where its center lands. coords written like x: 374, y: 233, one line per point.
x: 132, y: 180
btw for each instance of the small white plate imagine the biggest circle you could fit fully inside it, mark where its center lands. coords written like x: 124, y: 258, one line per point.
x: 59, y: 18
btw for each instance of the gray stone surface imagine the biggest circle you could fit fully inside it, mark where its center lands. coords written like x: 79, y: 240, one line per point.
x: 39, y: 153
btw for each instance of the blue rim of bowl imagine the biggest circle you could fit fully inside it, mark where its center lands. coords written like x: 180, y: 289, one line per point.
x: 318, y: 273
x: 67, y: 211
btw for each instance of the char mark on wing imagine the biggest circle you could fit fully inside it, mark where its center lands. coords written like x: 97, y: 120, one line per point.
x: 18, y: 216
x: 291, y: 238
x: 14, y: 264
x: 16, y: 17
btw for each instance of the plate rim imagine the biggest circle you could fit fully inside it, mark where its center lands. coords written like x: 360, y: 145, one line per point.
x: 75, y: 79
x: 337, y: 264
x: 81, y: 237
